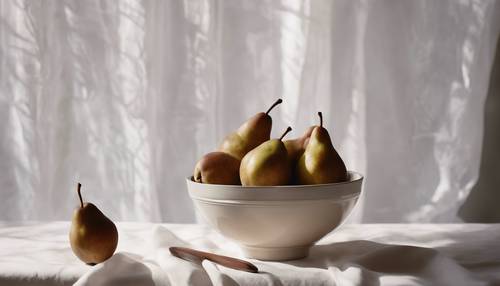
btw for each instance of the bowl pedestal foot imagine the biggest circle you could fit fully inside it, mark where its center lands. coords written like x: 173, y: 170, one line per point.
x: 276, y: 253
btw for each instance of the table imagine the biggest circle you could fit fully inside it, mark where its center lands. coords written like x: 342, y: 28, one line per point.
x: 38, y: 253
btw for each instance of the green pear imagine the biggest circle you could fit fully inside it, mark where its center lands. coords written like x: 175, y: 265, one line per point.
x: 250, y: 135
x: 267, y: 164
x: 320, y: 163
x: 295, y: 147
x: 217, y: 168
x: 93, y: 236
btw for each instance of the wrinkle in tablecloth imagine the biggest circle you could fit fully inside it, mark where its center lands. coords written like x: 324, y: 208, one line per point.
x: 359, y: 262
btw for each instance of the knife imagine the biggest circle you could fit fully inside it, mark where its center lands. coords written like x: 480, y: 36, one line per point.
x: 197, y: 256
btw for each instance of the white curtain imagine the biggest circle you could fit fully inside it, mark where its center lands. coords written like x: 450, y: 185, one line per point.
x: 125, y: 96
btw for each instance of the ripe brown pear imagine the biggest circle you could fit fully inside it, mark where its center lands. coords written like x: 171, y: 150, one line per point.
x: 93, y: 236
x: 320, y: 163
x: 296, y: 147
x: 250, y: 135
x: 267, y: 164
x: 217, y: 168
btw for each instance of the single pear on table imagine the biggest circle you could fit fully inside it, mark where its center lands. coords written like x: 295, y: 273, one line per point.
x: 251, y: 134
x: 320, y: 163
x: 93, y: 236
x: 267, y: 164
x: 217, y: 168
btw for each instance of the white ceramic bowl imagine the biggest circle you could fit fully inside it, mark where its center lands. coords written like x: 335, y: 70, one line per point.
x: 276, y: 222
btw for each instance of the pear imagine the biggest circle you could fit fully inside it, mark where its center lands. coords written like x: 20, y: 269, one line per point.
x: 217, y: 168
x: 93, y: 236
x: 267, y: 164
x: 296, y: 147
x: 251, y: 134
x: 320, y: 163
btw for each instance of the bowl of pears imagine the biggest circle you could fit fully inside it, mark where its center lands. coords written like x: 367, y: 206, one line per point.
x: 275, y: 198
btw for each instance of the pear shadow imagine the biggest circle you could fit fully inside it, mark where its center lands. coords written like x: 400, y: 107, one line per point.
x: 121, y: 269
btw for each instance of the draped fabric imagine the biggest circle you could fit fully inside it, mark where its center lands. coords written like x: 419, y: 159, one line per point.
x: 125, y: 96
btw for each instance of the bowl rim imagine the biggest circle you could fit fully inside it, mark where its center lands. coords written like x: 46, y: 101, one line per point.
x: 353, y: 177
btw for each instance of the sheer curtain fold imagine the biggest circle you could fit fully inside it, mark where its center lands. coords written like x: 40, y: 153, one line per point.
x: 125, y: 96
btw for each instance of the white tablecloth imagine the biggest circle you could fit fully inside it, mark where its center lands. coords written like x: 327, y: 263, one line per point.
x: 376, y: 254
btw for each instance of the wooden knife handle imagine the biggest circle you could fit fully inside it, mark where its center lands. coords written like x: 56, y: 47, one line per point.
x: 196, y: 255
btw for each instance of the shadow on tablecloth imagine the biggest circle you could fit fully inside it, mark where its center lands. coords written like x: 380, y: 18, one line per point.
x: 121, y: 269
x: 366, y: 262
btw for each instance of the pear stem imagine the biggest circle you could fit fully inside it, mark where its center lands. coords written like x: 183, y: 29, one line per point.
x: 320, y: 119
x: 80, y: 194
x: 274, y: 104
x: 286, y: 132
